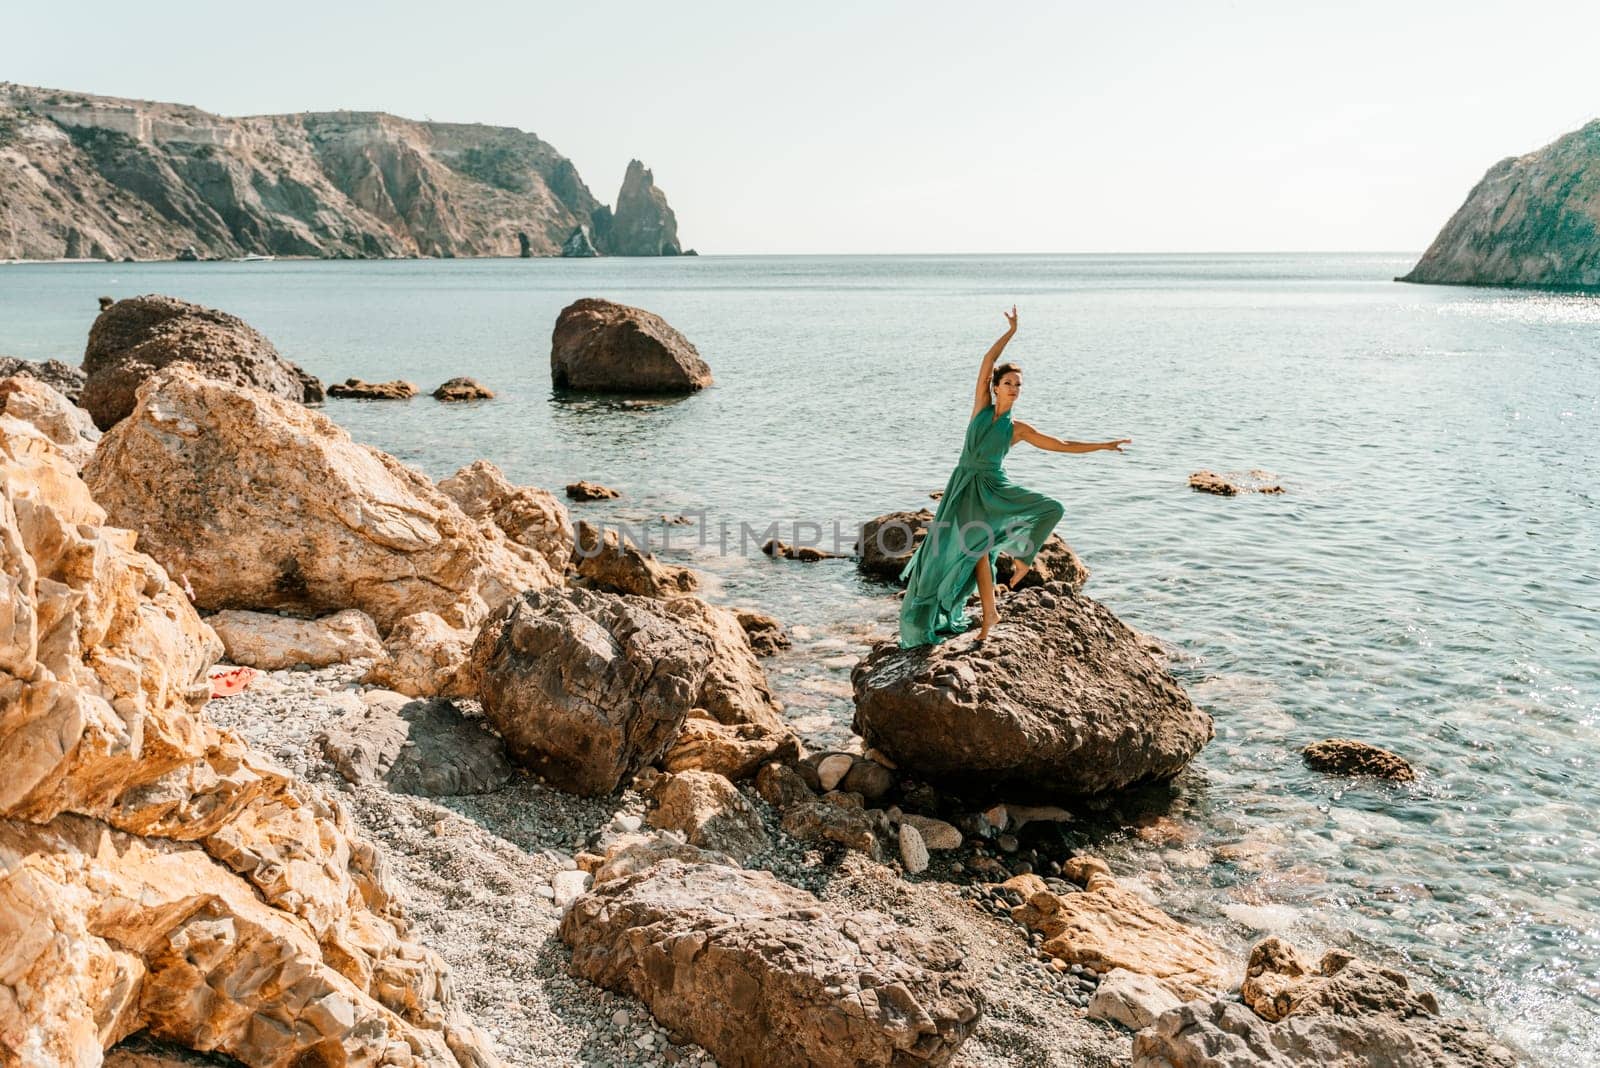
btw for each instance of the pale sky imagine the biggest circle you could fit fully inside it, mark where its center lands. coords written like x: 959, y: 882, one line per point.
x: 912, y: 127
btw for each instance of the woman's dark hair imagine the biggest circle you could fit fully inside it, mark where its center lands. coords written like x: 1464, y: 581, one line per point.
x: 1001, y: 371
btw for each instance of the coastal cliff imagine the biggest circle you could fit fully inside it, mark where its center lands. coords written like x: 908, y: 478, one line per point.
x: 1532, y: 220
x: 99, y: 177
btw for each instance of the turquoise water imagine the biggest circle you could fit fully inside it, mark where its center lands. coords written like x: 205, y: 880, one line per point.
x: 1429, y: 582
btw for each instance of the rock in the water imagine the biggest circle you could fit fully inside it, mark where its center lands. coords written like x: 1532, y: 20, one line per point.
x: 643, y: 224
x: 606, y: 347
x: 766, y: 634
x: 1343, y: 1013
x: 1131, y: 999
x: 1233, y: 483
x: 416, y: 747
x: 463, y: 389
x: 610, y: 563
x: 1072, y: 704
x: 135, y: 338
x: 298, y: 517
x: 579, y: 244
x: 809, y: 554
x: 64, y: 378
x: 1532, y: 220
x: 763, y: 974
x: 1211, y: 482
x: 582, y: 490
x: 1342, y: 756
x: 710, y: 812
x: 587, y: 688
x: 158, y: 874
x: 355, y: 388
x: 1108, y: 926
x: 69, y: 428
x: 737, y: 751
x: 271, y: 642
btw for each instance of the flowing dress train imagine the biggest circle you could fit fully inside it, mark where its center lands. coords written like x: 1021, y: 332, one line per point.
x: 981, y: 511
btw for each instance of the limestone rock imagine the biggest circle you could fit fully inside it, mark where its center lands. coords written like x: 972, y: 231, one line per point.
x: 297, y: 516
x: 158, y: 874
x: 765, y: 633
x: 853, y: 828
x: 569, y: 886
x: 780, y: 786
x: 1211, y: 482
x: 270, y: 642
x: 53, y: 414
x: 416, y: 747
x: 1532, y: 220
x: 761, y: 973
x: 609, y: 563
x: 424, y: 656
x: 463, y: 389
x: 586, y: 688
x: 606, y: 347
x: 1131, y: 999
x: 1071, y: 704
x: 1342, y: 756
x: 710, y: 812
x: 643, y: 224
x: 356, y: 389
x: 1343, y: 1013
x: 737, y: 751
x: 64, y: 378
x: 1107, y: 926
x: 736, y: 688
x: 133, y: 339
x: 531, y: 520
x: 582, y: 490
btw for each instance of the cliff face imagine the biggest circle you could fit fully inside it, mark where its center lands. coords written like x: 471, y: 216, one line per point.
x: 643, y: 224
x: 87, y: 176
x: 1533, y: 220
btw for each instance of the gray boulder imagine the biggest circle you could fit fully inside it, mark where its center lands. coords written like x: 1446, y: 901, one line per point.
x: 416, y: 747
x: 1062, y: 700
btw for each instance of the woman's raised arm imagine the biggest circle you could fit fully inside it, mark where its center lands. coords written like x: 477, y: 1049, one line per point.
x: 980, y: 396
x: 1051, y: 443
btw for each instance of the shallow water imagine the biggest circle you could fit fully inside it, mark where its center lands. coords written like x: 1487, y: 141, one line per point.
x: 1429, y: 582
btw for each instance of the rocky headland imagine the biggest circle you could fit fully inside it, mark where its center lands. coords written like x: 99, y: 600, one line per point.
x: 96, y: 177
x: 504, y: 790
x: 1532, y: 220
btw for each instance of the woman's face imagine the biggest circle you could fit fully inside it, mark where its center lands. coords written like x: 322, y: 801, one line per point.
x: 1010, y: 385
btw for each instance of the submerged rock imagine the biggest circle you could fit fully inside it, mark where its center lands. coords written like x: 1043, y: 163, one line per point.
x: 1532, y: 220
x: 134, y: 338
x: 761, y: 973
x: 601, y: 346
x: 1064, y: 701
x: 1342, y: 756
x: 357, y: 389
x: 590, y: 491
x: 463, y: 389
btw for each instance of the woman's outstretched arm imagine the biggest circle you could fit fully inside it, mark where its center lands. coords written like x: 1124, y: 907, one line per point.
x: 1050, y: 443
x: 980, y: 396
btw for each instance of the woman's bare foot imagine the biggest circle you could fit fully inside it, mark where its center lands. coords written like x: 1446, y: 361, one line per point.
x: 989, y: 620
x: 1018, y: 570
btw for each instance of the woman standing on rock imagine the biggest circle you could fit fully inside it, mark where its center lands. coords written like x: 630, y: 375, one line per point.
x: 982, y: 513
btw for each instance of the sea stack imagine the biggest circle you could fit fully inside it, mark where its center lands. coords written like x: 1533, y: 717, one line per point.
x: 1532, y: 220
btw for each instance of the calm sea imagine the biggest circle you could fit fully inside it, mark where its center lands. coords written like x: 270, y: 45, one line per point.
x: 1429, y: 582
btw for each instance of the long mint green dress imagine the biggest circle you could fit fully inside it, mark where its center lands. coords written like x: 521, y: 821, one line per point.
x: 981, y: 510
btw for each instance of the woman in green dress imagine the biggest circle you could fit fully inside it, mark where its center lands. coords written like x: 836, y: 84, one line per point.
x: 982, y: 513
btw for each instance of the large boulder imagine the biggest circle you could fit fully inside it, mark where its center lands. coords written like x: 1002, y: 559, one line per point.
x: 61, y: 377
x: 157, y: 874
x: 134, y: 338
x: 1063, y: 699
x: 264, y: 504
x: 761, y: 973
x: 606, y: 347
x: 68, y: 427
x: 415, y: 747
x: 271, y: 642
x: 1343, y: 1012
x: 587, y: 688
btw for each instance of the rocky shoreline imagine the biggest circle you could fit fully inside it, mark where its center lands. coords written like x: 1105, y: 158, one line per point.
x: 506, y: 789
